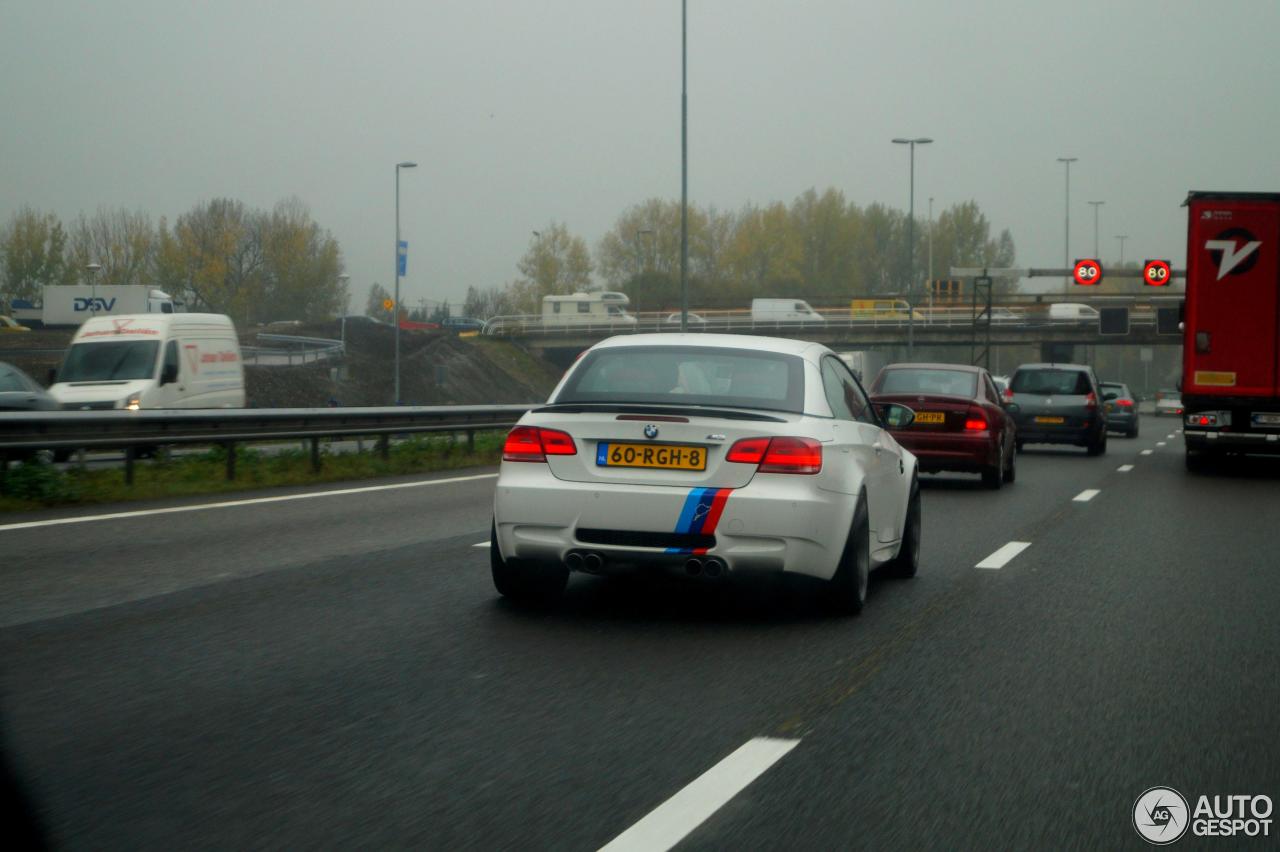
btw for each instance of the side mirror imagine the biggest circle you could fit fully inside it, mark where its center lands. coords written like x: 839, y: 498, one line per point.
x: 895, y: 416
x: 169, y: 374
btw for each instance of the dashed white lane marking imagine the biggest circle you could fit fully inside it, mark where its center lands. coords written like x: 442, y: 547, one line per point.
x: 1125, y: 468
x: 228, y: 504
x: 481, y: 544
x: 1159, y: 443
x: 673, y: 820
x: 1145, y: 453
x: 1004, y: 555
x: 1086, y: 495
x: 1168, y: 437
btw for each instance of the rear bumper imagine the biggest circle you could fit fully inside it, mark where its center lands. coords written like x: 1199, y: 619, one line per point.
x: 1077, y: 435
x: 957, y: 451
x: 1224, y: 441
x: 1121, y: 421
x: 775, y: 524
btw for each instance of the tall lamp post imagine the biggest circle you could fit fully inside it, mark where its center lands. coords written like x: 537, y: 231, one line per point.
x: 930, y: 252
x: 1121, y: 238
x: 343, y: 279
x: 396, y: 307
x: 1066, y: 240
x: 1096, y: 205
x: 92, y: 269
x: 684, y: 166
x: 911, y: 240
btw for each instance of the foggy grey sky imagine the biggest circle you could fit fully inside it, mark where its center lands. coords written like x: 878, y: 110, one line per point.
x: 520, y: 113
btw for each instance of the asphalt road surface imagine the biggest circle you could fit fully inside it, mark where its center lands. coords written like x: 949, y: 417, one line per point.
x: 326, y: 669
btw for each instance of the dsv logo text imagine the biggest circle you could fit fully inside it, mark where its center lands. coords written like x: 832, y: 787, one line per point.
x: 94, y: 303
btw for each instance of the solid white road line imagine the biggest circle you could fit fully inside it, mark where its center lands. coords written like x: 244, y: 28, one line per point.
x: 1125, y: 468
x: 228, y: 504
x: 1145, y: 453
x: 674, y: 819
x: 1086, y: 495
x: 1004, y: 555
x: 481, y: 544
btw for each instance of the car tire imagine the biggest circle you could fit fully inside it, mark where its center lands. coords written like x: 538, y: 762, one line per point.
x: 907, y: 562
x: 1133, y: 433
x: 521, y: 580
x: 1011, y: 469
x: 1099, y: 446
x: 993, y: 477
x: 853, y: 575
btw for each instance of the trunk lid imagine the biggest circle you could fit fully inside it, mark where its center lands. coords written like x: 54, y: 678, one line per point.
x: 612, y: 445
x: 934, y: 412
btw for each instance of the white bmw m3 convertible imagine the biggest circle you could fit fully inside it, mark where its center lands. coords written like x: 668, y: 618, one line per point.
x: 707, y: 456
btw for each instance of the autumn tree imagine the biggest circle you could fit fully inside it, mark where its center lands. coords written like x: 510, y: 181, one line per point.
x: 490, y: 302
x: 556, y: 263
x: 302, y: 266
x: 124, y: 243
x: 375, y: 305
x: 33, y: 254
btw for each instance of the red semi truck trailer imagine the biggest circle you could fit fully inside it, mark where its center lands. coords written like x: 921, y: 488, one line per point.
x: 1231, y: 325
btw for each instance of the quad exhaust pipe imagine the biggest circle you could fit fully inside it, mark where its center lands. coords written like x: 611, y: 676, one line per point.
x: 711, y: 568
x: 592, y: 563
x: 693, y: 567
x: 573, y: 561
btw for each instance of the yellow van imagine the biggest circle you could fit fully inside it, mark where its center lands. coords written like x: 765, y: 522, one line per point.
x: 882, y: 309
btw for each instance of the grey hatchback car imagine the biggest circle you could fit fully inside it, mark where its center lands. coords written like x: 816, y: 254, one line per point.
x: 1057, y: 404
x: 1121, y: 407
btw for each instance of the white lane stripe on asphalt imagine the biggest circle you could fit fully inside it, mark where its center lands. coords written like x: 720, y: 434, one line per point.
x: 1086, y: 495
x: 1159, y: 443
x: 1125, y: 468
x: 481, y: 544
x: 1004, y: 555
x: 1145, y: 453
x: 673, y: 820
x: 228, y: 504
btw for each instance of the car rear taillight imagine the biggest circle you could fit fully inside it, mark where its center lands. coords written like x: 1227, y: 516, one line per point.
x: 1008, y: 394
x: 975, y: 421
x: 778, y: 455
x: 532, y: 444
x: 1090, y: 400
x: 1124, y: 403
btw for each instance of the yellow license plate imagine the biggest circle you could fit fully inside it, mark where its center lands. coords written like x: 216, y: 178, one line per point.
x: 931, y: 417
x: 1054, y: 420
x: 660, y: 456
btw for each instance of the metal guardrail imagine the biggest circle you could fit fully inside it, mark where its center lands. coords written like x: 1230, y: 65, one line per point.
x: 291, y: 350
x: 24, y: 432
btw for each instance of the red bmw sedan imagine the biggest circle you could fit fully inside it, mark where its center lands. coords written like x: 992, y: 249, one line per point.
x: 960, y: 422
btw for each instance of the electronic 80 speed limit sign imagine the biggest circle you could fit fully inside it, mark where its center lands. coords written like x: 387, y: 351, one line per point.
x: 1156, y: 273
x: 1087, y: 272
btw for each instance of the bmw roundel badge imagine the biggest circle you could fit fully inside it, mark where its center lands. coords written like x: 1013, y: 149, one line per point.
x: 650, y: 431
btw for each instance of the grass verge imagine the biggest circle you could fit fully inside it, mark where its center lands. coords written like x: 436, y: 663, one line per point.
x: 38, y: 484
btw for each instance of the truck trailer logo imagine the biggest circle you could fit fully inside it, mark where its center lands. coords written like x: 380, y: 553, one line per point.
x: 1230, y: 259
x: 94, y: 303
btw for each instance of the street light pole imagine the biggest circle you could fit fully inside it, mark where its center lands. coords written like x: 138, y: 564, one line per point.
x: 92, y: 269
x: 1096, y: 205
x: 1121, y: 238
x: 911, y: 241
x: 343, y: 279
x: 396, y: 306
x: 930, y: 253
x: 1066, y: 240
x: 684, y: 166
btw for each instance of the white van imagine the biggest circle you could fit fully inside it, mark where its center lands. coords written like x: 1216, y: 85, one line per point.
x: 1072, y: 312
x: 152, y: 361
x: 783, y: 310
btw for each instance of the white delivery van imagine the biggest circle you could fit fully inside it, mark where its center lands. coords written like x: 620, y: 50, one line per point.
x: 783, y: 310
x: 152, y: 361
x: 1072, y: 312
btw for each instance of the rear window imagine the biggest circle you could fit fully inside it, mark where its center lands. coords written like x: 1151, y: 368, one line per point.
x: 688, y: 375
x: 11, y: 383
x: 1111, y: 387
x: 953, y: 382
x: 1068, y: 382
